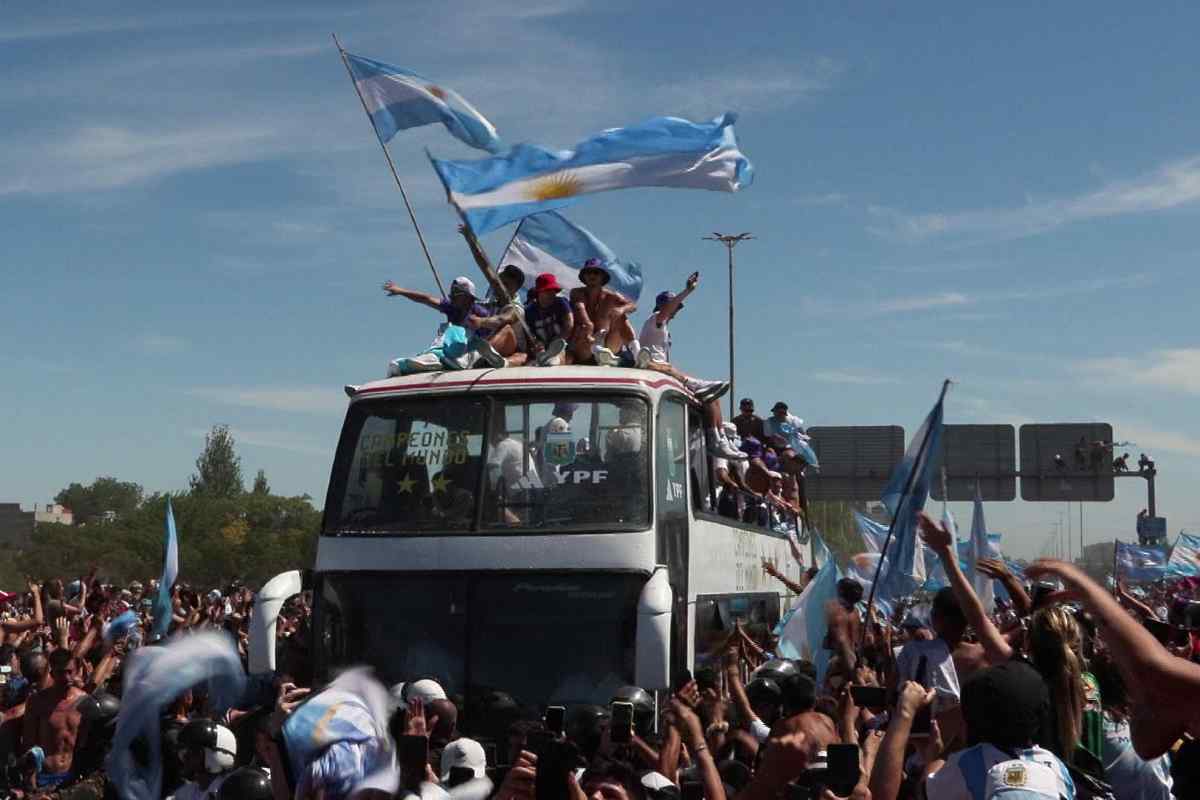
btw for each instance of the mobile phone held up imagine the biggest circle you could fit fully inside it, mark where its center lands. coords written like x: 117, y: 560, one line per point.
x: 873, y: 697
x: 621, y: 728
x: 555, y: 719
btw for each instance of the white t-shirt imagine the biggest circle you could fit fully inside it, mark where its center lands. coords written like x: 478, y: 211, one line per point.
x: 1127, y: 773
x: 940, y: 673
x: 656, y: 338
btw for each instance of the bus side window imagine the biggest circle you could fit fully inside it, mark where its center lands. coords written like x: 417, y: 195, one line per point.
x: 699, y: 468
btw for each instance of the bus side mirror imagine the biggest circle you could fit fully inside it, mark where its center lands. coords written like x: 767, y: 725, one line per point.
x: 652, y: 666
x: 267, y: 604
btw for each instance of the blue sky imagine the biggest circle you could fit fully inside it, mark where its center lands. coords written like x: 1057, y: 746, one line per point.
x: 197, y: 217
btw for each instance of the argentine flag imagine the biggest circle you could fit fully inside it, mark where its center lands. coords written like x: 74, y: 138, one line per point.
x: 873, y: 533
x: 804, y: 634
x: 1185, y: 556
x: 548, y: 242
x: 664, y: 151
x: 1140, y: 563
x: 980, y: 546
x: 903, y: 571
x: 163, y: 605
x: 397, y: 99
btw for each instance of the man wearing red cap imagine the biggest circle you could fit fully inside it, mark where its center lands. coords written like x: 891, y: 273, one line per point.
x: 550, y: 320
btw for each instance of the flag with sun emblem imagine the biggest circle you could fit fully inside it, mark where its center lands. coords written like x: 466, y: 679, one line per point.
x: 397, y: 99
x: 664, y: 151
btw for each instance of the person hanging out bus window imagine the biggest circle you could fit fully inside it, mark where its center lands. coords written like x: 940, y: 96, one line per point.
x: 602, y: 326
x: 654, y: 353
x: 550, y: 320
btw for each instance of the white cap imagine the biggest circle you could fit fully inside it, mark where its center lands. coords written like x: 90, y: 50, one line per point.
x: 426, y: 689
x: 462, y: 284
x: 464, y: 753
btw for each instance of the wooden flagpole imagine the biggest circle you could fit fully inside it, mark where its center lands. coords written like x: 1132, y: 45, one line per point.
x: 391, y: 165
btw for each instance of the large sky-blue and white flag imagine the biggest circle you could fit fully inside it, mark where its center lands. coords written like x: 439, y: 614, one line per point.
x: 903, y: 571
x: 163, y: 606
x: 154, y: 677
x: 664, y: 151
x: 549, y: 242
x: 397, y: 99
x: 804, y: 634
x: 980, y: 546
x: 1136, y: 563
x: 1185, y: 556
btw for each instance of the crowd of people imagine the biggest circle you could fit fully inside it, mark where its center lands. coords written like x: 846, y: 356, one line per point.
x: 1072, y: 691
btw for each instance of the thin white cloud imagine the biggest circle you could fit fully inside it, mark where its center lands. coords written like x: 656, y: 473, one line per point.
x: 297, y: 399
x: 1149, y: 438
x: 850, y: 378
x: 922, y: 302
x: 1173, y: 184
x: 1176, y: 370
x: 275, y: 440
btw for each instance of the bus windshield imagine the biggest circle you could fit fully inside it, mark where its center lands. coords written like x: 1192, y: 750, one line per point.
x: 467, y: 464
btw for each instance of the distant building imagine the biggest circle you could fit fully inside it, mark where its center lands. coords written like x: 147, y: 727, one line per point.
x: 54, y: 513
x: 16, y: 526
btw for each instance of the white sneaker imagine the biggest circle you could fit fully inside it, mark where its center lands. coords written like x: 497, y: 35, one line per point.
x: 643, y: 359
x: 465, y: 361
x: 721, y: 448
x: 549, y: 356
x: 707, y: 390
x: 350, y: 389
x: 605, y: 357
x: 487, y: 353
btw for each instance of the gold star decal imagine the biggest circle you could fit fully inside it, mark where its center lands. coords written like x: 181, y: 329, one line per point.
x: 441, y: 482
x: 406, y: 484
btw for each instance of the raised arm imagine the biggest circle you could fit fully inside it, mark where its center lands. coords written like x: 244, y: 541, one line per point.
x: 672, y: 305
x: 417, y: 297
x: 995, y: 646
x: 888, y: 771
x: 996, y: 569
x: 1165, y: 690
x: 773, y: 571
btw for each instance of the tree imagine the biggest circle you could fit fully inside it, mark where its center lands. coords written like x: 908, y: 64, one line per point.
x: 89, y: 503
x: 219, y: 468
x: 261, y: 487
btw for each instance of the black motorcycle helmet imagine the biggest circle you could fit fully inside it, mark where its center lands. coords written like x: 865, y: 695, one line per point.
x: 215, y: 741
x: 777, y: 669
x: 100, y: 707
x: 643, y: 707
x: 585, y: 726
x: 247, y: 783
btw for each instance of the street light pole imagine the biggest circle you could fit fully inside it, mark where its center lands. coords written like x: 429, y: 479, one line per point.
x: 730, y: 242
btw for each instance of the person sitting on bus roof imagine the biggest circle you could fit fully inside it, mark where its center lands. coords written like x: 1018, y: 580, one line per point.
x: 508, y: 345
x: 549, y: 317
x: 654, y: 353
x: 601, y: 317
x: 452, y: 347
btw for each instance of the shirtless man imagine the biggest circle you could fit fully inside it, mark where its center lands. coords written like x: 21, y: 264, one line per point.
x: 54, y: 723
x: 601, y: 317
x: 843, y: 625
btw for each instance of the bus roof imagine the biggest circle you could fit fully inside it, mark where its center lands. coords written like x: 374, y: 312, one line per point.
x: 521, y: 379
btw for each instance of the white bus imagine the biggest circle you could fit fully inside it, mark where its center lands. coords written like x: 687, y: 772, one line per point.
x: 541, y: 532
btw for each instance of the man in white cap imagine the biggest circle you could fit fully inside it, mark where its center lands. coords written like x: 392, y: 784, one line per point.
x: 462, y: 760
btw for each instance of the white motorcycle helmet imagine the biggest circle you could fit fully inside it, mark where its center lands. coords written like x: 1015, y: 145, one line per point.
x: 217, y: 742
